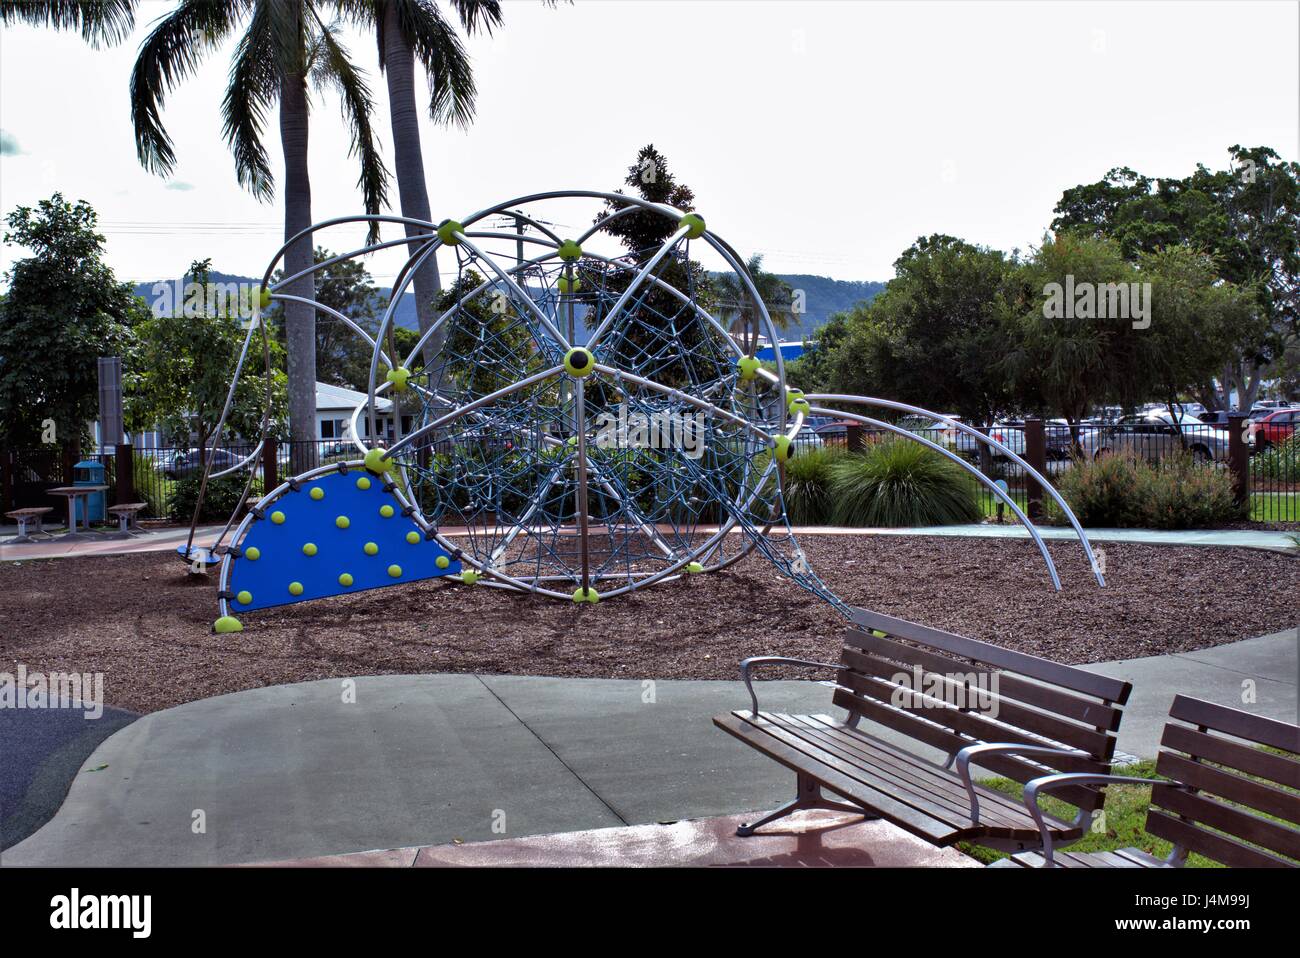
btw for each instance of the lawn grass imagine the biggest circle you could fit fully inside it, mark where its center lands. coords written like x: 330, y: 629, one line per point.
x: 1264, y: 506
x: 1120, y: 825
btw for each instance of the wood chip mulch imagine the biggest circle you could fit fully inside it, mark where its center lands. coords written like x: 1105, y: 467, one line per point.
x: 145, y: 623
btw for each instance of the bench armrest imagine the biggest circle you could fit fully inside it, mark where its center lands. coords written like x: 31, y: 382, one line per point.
x: 1013, y: 748
x: 747, y: 665
x: 1048, y: 782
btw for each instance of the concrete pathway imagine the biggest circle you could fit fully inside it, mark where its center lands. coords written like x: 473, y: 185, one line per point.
x: 1250, y: 538
x: 386, y: 762
x: 170, y: 538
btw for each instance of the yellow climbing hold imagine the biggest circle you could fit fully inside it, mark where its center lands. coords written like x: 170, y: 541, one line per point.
x: 245, y: 598
x: 386, y: 511
x: 345, y: 580
x: 442, y: 562
x: 412, y: 537
x: 371, y: 549
x: 395, y: 571
x: 309, y: 549
x: 376, y: 462
x: 295, y: 588
x: 469, y: 577
x: 363, y: 482
x: 398, y: 378
x: 694, y: 567
x: 342, y: 522
x: 277, y: 517
x: 226, y: 624
x: 317, y: 493
x: 586, y: 595
x: 253, y: 552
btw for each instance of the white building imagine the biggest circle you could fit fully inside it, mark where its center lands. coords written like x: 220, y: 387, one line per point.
x: 334, y: 405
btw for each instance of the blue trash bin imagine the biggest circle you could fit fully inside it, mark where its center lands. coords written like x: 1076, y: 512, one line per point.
x: 90, y: 472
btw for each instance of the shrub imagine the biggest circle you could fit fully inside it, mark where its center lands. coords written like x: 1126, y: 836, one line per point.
x: 901, y: 483
x: 1125, y: 492
x: 807, y: 491
x: 1102, y: 493
x: 220, y: 500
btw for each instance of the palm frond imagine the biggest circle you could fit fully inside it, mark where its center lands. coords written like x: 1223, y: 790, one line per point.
x: 100, y: 22
x: 252, y: 88
x: 334, y: 66
x: 476, y: 14
x: 170, y: 53
x: 439, y: 49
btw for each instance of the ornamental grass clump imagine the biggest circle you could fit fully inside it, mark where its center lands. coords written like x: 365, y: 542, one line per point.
x: 899, y: 483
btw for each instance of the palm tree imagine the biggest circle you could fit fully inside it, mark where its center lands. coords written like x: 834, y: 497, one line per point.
x: 100, y: 22
x: 406, y: 30
x: 285, y: 46
x: 735, y: 303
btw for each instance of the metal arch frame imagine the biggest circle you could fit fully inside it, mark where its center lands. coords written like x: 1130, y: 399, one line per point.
x: 980, y: 437
x: 983, y: 479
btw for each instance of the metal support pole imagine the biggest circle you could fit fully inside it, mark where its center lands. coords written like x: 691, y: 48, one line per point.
x: 124, y: 467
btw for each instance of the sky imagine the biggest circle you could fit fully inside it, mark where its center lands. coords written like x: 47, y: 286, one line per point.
x: 827, y: 136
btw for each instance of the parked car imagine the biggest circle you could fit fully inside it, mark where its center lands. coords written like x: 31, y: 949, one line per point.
x: 1010, y: 434
x: 1153, y: 435
x: 1060, y: 441
x: 185, y: 464
x: 1275, y: 427
x: 930, y: 429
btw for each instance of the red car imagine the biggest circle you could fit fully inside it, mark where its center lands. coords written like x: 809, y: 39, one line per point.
x: 1275, y: 427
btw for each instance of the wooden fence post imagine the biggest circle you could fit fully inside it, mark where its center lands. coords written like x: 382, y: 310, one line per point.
x: 1036, y: 456
x: 1239, y: 456
x: 270, y: 465
x: 853, y: 437
x: 124, y: 468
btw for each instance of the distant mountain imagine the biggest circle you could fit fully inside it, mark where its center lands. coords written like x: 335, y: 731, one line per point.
x: 823, y: 297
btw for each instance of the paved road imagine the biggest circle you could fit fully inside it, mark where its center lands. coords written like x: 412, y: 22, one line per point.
x: 302, y: 770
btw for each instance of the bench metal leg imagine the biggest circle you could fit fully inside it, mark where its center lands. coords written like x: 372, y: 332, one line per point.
x: 808, y: 794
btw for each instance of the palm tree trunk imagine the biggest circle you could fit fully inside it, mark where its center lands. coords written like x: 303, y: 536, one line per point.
x: 408, y: 163
x: 299, y: 318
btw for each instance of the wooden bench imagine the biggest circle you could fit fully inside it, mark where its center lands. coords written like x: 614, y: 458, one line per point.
x: 24, y: 518
x: 963, y: 702
x: 1206, y: 803
x: 126, y: 513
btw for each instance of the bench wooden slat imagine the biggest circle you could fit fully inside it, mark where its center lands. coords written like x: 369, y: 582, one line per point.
x: 1111, y: 690
x: 918, y: 823
x: 927, y: 780
x: 1088, y: 711
x: 1012, y: 713
x: 1203, y: 810
x: 1222, y: 849
x: 1254, y: 728
x: 1258, y: 795
x: 872, y: 781
x: 1237, y: 755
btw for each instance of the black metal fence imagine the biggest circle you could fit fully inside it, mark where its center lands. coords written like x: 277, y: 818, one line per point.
x: 1265, y: 465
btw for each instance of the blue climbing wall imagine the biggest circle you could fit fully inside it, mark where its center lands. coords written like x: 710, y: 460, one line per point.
x: 334, y: 526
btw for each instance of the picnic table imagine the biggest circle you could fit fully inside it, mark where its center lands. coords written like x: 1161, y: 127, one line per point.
x: 72, y: 492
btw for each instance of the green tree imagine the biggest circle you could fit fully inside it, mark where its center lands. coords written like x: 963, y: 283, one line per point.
x: 659, y: 336
x: 342, y: 356
x: 1061, y: 356
x: 933, y: 337
x: 1247, y: 217
x: 64, y: 309
x: 286, y: 45
x: 179, y: 376
x: 736, y: 307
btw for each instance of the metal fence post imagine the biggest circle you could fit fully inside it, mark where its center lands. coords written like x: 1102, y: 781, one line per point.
x: 270, y: 465
x: 1036, y: 456
x: 124, y: 470
x: 1239, y: 457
